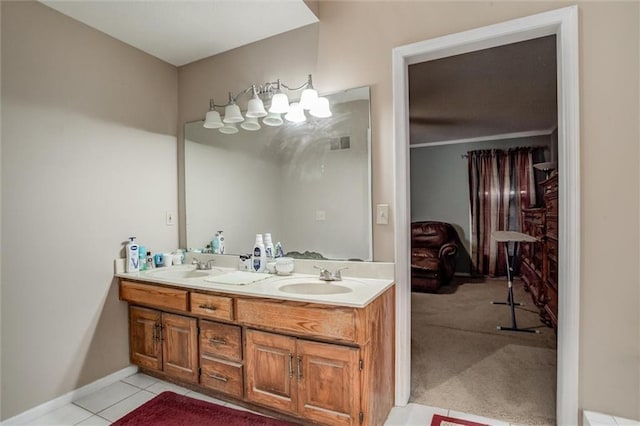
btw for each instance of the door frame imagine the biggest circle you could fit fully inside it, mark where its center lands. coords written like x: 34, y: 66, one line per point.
x: 564, y: 24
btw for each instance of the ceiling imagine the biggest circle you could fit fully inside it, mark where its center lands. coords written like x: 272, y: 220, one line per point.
x: 504, y: 90
x: 183, y: 31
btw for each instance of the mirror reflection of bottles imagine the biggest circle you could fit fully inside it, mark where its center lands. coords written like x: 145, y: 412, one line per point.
x: 259, y: 261
x: 268, y: 246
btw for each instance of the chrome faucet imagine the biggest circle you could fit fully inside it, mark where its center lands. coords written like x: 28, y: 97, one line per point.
x: 326, y: 275
x: 200, y: 265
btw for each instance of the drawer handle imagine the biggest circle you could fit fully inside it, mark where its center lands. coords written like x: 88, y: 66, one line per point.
x: 290, y: 365
x: 299, y: 359
x: 217, y: 341
x: 209, y: 307
x: 218, y: 377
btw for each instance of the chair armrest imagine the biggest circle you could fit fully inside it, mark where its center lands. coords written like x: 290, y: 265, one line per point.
x: 448, y: 249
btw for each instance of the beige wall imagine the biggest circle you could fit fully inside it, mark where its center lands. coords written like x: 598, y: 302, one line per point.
x: 351, y: 46
x: 88, y: 158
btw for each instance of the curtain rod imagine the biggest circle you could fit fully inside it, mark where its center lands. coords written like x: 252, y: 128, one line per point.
x: 498, y: 149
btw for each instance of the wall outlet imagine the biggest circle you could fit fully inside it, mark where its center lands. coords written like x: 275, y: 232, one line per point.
x: 170, y: 218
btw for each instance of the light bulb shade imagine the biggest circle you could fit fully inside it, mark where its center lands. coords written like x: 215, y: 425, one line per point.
x: 232, y: 114
x: 308, y: 98
x: 321, y: 109
x: 296, y: 114
x: 255, y: 108
x: 273, y: 120
x: 279, y: 103
x: 251, y: 124
x: 212, y: 120
x: 229, y: 129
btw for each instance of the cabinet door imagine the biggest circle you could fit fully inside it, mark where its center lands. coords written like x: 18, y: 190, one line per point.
x: 329, y: 382
x: 180, y: 347
x: 144, y: 337
x: 270, y: 377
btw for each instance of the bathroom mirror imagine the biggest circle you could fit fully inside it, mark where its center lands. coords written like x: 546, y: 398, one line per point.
x: 308, y: 184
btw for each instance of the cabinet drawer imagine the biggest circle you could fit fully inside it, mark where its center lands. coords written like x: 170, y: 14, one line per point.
x: 153, y: 295
x: 220, y: 340
x: 225, y: 377
x: 551, y: 204
x: 330, y: 323
x: 210, y: 306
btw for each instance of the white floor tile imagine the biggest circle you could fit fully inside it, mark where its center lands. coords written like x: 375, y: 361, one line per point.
x: 161, y: 386
x: 477, y: 419
x: 140, y: 380
x: 201, y: 397
x: 94, y: 421
x: 106, y: 397
x: 125, y: 406
x: 66, y: 415
x: 413, y: 414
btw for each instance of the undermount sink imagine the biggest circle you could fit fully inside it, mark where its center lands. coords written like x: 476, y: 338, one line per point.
x: 314, y: 288
x: 184, y: 273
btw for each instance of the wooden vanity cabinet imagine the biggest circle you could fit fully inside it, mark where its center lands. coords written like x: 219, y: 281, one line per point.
x: 322, y: 364
x: 164, y: 342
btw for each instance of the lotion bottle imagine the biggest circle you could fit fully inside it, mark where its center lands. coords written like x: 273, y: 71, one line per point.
x: 133, y: 258
x: 259, y: 259
x: 268, y: 246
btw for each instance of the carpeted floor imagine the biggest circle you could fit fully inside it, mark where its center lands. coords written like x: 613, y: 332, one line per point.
x: 460, y: 361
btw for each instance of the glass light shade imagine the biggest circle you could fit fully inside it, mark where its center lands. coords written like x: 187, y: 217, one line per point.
x: 279, y: 103
x: 273, y: 120
x: 321, y: 109
x: 212, y: 120
x: 232, y: 114
x: 229, y: 129
x: 308, y: 98
x: 251, y: 124
x: 296, y: 114
x: 255, y: 108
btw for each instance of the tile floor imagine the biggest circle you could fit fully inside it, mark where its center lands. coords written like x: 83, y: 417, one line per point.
x: 114, y: 401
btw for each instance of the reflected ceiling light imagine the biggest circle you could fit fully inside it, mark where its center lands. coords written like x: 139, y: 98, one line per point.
x: 295, y: 114
x: 251, y: 124
x: 321, y: 108
x: 273, y: 120
x: 279, y: 104
x: 229, y: 129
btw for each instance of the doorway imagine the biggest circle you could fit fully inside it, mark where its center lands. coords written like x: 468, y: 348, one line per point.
x: 564, y: 24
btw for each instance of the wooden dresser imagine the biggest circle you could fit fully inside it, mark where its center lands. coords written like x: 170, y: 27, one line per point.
x: 539, y: 261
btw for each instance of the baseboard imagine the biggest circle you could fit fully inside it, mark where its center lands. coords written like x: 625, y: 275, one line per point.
x: 35, y: 412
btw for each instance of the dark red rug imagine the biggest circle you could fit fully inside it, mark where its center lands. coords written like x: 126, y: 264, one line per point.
x: 439, y: 420
x: 171, y: 409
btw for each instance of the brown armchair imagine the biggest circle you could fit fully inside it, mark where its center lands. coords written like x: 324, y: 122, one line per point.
x: 434, y: 246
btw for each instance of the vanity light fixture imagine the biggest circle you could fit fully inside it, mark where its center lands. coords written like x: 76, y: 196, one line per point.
x: 279, y: 104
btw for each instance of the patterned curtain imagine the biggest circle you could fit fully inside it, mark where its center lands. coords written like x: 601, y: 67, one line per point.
x: 501, y: 184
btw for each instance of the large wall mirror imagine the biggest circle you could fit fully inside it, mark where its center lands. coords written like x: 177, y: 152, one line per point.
x: 308, y: 184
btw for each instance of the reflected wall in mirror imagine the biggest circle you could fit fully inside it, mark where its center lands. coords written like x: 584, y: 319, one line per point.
x: 308, y: 184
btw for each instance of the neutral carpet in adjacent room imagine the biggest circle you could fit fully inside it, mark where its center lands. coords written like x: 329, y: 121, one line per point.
x: 460, y: 361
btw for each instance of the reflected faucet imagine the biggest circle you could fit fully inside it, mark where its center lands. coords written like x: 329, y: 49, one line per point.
x: 326, y: 275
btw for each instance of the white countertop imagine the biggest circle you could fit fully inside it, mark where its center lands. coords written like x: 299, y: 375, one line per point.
x: 354, y: 292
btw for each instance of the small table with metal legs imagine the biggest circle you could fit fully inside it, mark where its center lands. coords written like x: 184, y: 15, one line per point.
x: 507, y: 237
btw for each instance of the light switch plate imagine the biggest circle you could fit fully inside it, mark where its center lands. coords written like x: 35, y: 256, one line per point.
x: 170, y: 218
x: 382, y: 214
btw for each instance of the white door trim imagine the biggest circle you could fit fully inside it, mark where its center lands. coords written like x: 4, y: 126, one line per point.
x: 564, y: 24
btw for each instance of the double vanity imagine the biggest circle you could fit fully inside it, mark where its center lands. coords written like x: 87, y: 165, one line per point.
x: 292, y: 346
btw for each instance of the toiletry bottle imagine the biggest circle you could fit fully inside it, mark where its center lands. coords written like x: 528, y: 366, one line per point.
x: 220, y: 242
x: 142, y: 263
x: 268, y: 246
x: 133, y: 258
x: 149, y: 260
x: 278, y: 250
x: 215, y: 244
x: 259, y: 261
